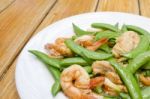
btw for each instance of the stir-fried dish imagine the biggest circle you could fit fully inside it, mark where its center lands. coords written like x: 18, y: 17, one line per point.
x: 103, y: 62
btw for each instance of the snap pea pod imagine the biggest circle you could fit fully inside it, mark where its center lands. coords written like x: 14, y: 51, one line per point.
x: 106, y: 34
x: 88, y: 69
x: 146, y: 73
x: 51, y: 65
x: 142, y: 47
x: 124, y: 96
x: 80, y: 32
x: 105, y: 26
x: 146, y: 92
x: 46, y: 59
x: 138, y: 61
x: 56, y: 88
x: 128, y: 79
x: 74, y: 60
x: 147, y: 65
x: 124, y: 28
x: 98, y: 89
x: 138, y: 30
x: 85, y: 52
x: 105, y: 48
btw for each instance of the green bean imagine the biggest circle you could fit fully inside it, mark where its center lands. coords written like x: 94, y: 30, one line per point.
x: 124, y: 28
x: 142, y: 47
x: 79, y: 31
x: 147, y: 65
x: 138, y: 61
x: 56, y: 87
x: 74, y: 60
x: 88, y: 69
x: 105, y: 48
x: 146, y: 73
x: 138, y: 30
x: 106, y: 34
x: 98, y: 90
x: 124, y: 96
x: 46, y: 59
x: 105, y: 26
x: 128, y: 79
x: 55, y: 72
x: 85, y: 52
x: 146, y: 92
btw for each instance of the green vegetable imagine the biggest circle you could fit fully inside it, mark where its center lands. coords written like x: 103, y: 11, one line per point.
x: 138, y: 61
x: 85, y: 52
x: 147, y: 65
x: 106, y: 34
x: 146, y: 73
x: 55, y: 72
x: 105, y: 26
x: 105, y: 48
x: 146, y: 92
x: 142, y: 47
x: 56, y: 88
x: 46, y: 59
x: 124, y: 96
x: 124, y: 28
x: 74, y: 60
x: 128, y: 79
x: 98, y: 90
x: 80, y: 32
x: 88, y: 69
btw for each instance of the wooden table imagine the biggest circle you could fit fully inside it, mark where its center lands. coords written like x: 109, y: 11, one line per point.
x: 21, y: 19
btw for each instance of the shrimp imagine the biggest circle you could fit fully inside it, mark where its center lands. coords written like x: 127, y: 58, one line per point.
x: 85, y: 40
x: 75, y: 83
x: 58, y: 49
x: 125, y: 43
x: 97, y: 81
x: 102, y: 67
x: 113, y: 77
x: 145, y: 80
x: 97, y: 44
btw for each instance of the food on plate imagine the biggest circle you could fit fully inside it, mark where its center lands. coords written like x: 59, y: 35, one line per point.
x: 104, y: 62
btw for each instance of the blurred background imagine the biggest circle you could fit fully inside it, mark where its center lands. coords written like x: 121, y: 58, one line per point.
x: 21, y: 19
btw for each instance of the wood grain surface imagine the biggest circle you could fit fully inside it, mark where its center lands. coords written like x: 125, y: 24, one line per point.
x: 4, y: 4
x: 17, y: 25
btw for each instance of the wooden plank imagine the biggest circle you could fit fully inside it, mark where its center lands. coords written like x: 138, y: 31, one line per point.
x: 7, y: 85
x: 4, y: 4
x: 17, y: 24
x: 69, y: 7
x: 145, y: 7
x: 130, y: 6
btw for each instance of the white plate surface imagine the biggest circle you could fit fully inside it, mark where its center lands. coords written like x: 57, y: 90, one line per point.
x: 33, y: 80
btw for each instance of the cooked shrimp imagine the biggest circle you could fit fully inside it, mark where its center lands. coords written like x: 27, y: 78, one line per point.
x: 102, y: 67
x: 85, y: 40
x: 145, y: 80
x: 97, y: 44
x: 75, y: 83
x: 113, y: 77
x: 125, y: 43
x: 97, y: 81
x: 59, y: 49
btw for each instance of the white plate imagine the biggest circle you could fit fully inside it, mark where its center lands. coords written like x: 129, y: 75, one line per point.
x: 33, y: 80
